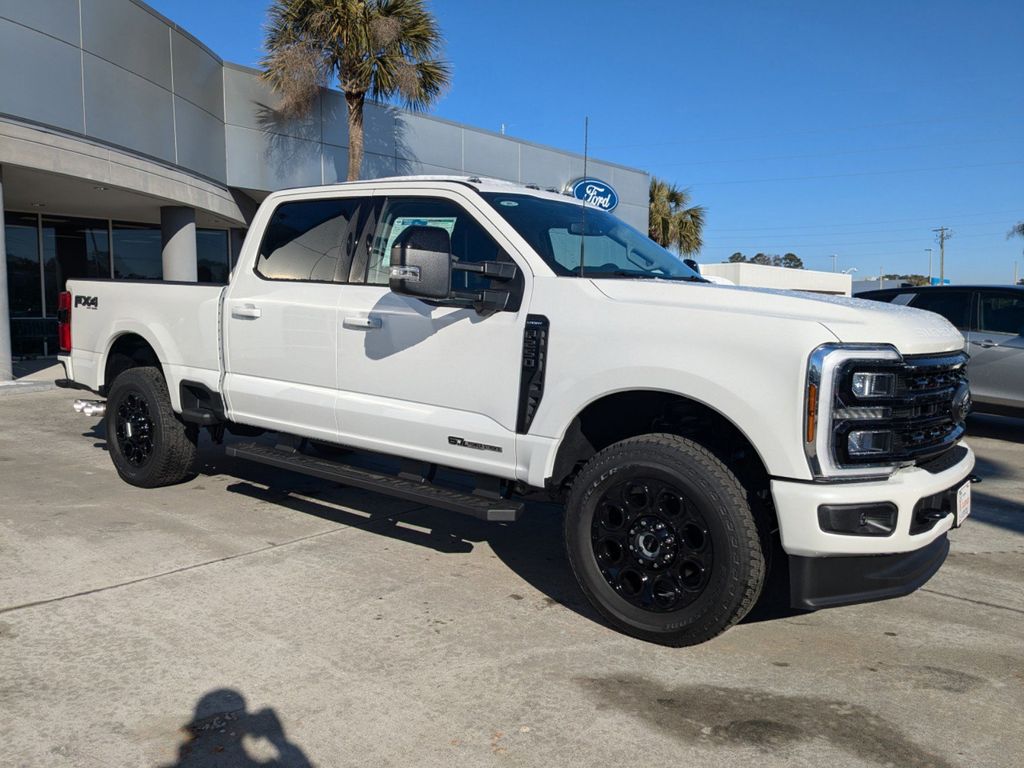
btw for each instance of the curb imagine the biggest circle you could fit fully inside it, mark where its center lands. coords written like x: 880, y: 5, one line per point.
x: 24, y: 387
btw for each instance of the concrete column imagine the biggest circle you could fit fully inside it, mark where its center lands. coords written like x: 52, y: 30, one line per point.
x: 6, y: 366
x: 178, y: 236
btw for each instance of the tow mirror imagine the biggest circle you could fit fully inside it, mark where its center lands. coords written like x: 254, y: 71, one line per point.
x: 421, y: 263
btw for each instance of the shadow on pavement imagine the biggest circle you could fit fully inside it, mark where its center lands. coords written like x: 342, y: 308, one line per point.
x: 995, y: 427
x: 993, y: 510
x: 224, y: 734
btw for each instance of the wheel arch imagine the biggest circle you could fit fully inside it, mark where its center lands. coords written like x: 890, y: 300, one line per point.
x: 626, y: 413
x: 128, y: 349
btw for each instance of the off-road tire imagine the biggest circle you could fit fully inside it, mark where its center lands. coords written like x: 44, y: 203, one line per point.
x: 737, y: 571
x: 173, y: 442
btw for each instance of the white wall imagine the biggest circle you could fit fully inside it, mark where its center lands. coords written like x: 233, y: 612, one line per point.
x: 762, y: 276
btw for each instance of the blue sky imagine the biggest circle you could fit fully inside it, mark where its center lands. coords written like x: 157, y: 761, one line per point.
x: 812, y: 127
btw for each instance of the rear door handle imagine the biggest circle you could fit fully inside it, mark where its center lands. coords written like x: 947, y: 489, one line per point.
x: 361, y: 323
x: 247, y: 311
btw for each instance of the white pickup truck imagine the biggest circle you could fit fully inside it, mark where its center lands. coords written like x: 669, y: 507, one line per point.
x: 471, y: 342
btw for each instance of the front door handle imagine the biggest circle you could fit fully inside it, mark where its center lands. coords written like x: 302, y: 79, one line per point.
x: 987, y: 344
x: 361, y: 322
x: 246, y: 311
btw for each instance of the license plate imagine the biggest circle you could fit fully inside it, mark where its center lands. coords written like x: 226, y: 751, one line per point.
x: 963, y: 503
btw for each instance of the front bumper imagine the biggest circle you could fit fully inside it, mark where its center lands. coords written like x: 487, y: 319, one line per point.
x: 829, y: 569
x: 796, y: 504
x: 825, y: 582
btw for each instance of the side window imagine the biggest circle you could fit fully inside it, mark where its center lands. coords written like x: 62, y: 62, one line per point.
x: 953, y: 305
x: 1001, y: 313
x: 309, y: 240
x: 470, y: 243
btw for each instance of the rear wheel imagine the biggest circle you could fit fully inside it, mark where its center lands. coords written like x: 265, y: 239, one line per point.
x: 663, y: 541
x: 149, y: 445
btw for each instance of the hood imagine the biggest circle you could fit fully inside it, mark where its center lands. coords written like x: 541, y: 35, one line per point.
x: 911, y: 331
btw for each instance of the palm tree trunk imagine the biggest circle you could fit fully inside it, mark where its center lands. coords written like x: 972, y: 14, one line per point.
x: 355, y: 103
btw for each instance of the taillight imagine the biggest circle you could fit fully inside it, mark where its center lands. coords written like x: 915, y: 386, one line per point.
x: 64, y: 321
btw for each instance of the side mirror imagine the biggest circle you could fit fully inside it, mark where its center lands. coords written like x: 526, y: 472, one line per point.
x: 421, y: 263
x: 692, y: 265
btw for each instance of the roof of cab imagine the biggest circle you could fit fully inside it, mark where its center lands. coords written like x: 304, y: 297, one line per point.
x: 480, y: 183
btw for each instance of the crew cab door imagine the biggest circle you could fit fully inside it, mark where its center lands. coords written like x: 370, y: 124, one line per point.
x: 435, y: 383
x: 997, y: 348
x: 280, y: 317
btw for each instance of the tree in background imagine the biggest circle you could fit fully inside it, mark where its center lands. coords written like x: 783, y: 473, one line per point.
x: 789, y: 260
x: 1016, y: 231
x: 912, y: 279
x: 672, y: 220
x: 384, y: 49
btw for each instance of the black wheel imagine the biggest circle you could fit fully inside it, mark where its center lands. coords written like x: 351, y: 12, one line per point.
x: 149, y: 445
x: 662, y: 540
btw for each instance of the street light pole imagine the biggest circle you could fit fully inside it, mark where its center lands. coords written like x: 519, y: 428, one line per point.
x: 833, y: 257
x: 929, y: 264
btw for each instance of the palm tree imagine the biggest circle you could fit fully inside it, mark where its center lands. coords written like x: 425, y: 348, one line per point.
x: 384, y: 49
x: 1016, y: 231
x: 672, y: 220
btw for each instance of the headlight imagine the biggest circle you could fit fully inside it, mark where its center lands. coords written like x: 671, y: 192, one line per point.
x: 869, y: 410
x: 838, y: 378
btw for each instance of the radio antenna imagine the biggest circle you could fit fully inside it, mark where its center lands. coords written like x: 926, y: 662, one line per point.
x: 583, y: 208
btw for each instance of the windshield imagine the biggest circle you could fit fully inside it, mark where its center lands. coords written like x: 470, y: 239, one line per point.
x: 611, y: 248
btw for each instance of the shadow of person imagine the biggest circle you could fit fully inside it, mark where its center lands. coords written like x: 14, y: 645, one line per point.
x: 224, y: 734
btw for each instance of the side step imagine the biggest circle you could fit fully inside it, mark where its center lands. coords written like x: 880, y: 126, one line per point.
x: 490, y: 509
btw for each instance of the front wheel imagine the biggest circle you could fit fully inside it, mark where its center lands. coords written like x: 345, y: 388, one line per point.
x: 662, y: 540
x: 149, y: 445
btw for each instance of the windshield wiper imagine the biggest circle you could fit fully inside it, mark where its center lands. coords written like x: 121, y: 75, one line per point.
x: 644, y: 275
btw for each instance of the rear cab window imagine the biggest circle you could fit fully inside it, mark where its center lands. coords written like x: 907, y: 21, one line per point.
x: 310, y: 240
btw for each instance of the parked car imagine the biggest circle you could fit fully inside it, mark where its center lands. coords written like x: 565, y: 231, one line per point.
x: 991, y: 318
x: 475, y: 341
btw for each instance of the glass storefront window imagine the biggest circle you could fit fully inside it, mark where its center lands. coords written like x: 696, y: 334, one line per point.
x: 137, y: 251
x: 72, y: 248
x: 212, y: 256
x: 22, y: 234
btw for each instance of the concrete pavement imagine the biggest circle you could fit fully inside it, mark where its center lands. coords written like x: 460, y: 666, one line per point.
x: 256, y: 617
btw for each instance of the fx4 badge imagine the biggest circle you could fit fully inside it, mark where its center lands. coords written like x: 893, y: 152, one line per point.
x: 89, y: 302
x: 470, y: 444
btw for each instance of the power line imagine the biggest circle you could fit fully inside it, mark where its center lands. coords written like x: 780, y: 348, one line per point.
x: 830, y: 244
x: 844, y: 234
x: 868, y: 223
x: 816, y: 132
x: 839, y: 153
x: 858, y: 173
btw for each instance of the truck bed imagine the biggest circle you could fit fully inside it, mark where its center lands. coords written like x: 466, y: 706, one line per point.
x: 179, y: 321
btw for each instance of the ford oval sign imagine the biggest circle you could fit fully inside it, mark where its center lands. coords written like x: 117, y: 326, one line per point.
x: 595, y: 192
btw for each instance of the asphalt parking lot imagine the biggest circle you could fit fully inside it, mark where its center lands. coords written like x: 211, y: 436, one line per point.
x: 253, y: 617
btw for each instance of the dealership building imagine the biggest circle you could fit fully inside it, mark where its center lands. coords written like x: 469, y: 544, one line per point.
x: 131, y: 151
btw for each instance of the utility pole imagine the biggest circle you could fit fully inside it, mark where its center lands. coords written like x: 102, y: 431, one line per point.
x: 944, y: 233
x: 930, y: 250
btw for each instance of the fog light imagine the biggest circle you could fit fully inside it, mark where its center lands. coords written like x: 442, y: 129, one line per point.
x: 874, y: 384
x: 869, y: 443
x: 858, y: 519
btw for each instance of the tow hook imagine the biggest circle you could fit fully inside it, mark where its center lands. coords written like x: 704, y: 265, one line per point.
x: 90, y: 407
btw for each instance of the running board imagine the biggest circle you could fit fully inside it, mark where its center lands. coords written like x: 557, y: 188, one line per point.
x: 483, y: 508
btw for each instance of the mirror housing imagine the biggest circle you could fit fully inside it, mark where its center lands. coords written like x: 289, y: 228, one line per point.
x: 692, y: 265
x: 421, y: 263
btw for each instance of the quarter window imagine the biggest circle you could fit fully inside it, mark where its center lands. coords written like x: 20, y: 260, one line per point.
x: 952, y: 305
x: 1002, y: 313
x: 309, y: 240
